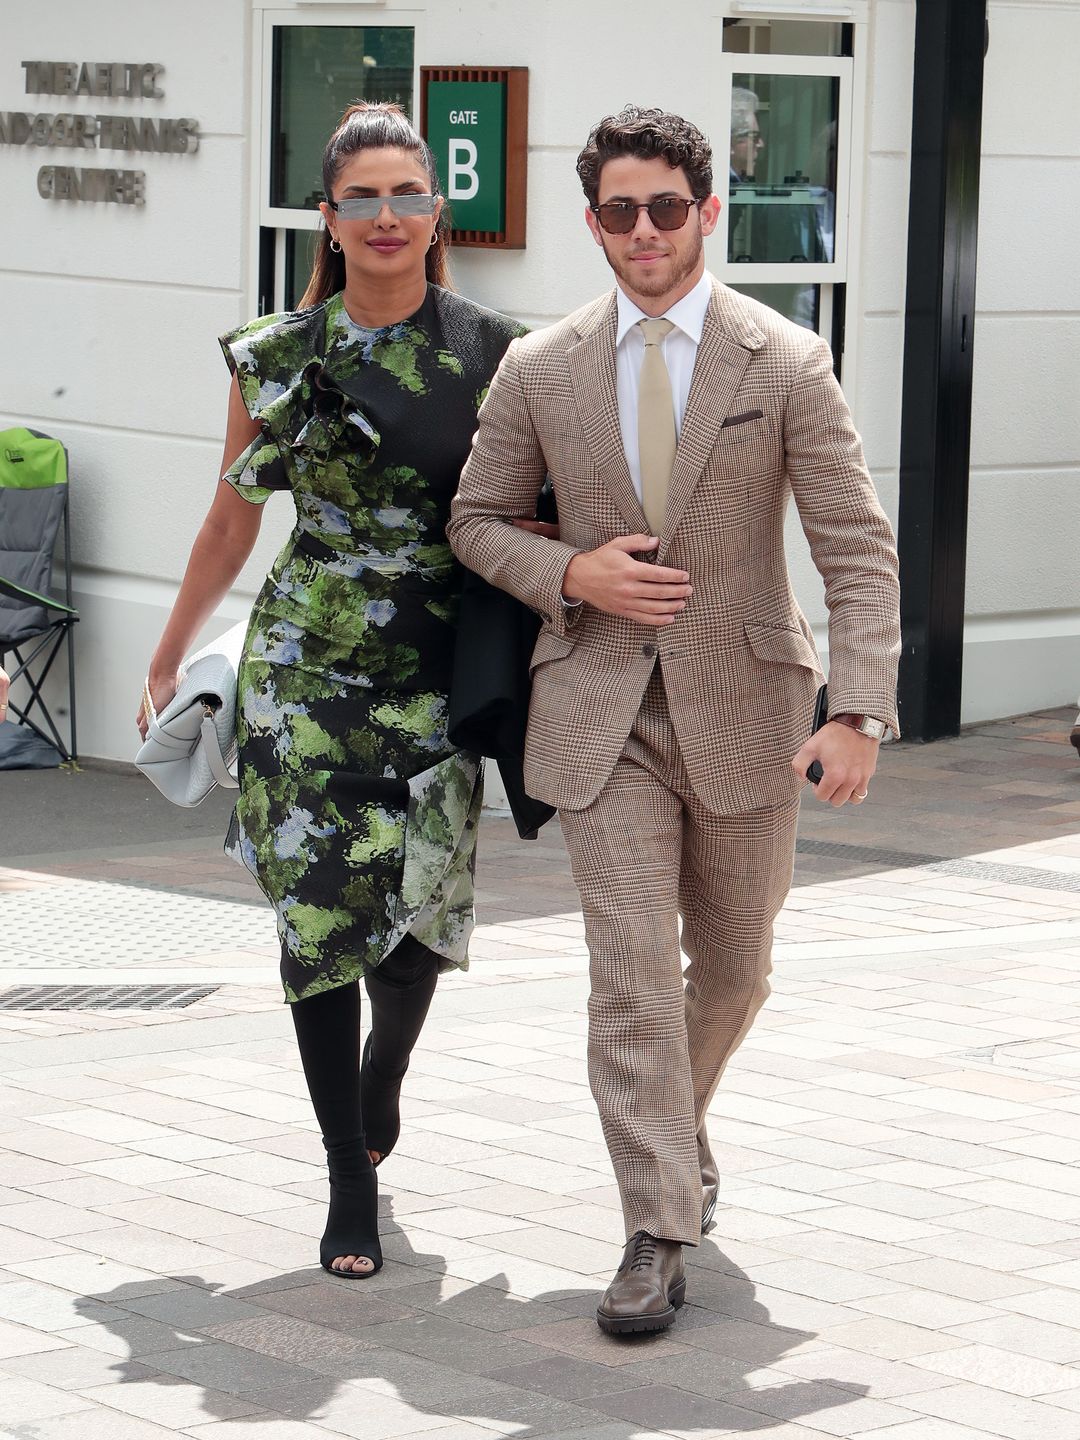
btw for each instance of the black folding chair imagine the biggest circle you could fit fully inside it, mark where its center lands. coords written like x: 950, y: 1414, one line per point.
x: 34, y: 626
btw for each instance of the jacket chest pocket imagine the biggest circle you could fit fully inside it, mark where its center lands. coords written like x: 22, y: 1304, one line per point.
x: 749, y: 448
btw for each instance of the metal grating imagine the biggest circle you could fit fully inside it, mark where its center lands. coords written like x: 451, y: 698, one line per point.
x: 989, y: 870
x: 103, y: 997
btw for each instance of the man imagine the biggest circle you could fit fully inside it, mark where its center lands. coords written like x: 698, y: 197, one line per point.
x: 747, y: 141
x: 674, y: 676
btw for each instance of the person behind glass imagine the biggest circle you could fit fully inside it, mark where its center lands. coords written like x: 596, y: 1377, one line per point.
x: 747, y: 141
x: 356, y: 814
x: 4, y: 683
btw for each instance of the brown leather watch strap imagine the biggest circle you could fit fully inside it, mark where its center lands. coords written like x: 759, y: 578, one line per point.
x: 854, y: 721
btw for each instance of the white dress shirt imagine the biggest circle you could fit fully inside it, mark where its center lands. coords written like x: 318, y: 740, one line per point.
x: 679, y: 347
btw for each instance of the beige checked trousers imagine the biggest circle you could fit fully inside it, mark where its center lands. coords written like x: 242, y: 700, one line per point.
x: 643, y: 853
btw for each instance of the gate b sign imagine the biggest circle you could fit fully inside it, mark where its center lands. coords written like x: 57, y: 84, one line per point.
x: 474, y: 121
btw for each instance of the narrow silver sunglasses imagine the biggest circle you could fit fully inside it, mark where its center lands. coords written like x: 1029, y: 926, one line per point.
x: 367, y: 207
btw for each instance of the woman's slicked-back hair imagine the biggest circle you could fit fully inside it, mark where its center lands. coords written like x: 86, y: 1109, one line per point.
x: 373, y: 126
x: 647, y: 135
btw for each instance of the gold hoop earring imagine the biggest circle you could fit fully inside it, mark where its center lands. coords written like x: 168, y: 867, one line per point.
x: 335, y: 246
x: 433, y: 240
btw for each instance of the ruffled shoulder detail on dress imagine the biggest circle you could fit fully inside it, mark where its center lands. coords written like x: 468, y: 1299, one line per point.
x: 268, y: 354
x: 303, y: 412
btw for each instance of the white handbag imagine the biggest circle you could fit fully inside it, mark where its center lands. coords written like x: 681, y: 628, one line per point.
x: 191, y: 746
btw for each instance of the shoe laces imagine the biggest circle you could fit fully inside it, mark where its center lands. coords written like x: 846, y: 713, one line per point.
x: 644, y: 1252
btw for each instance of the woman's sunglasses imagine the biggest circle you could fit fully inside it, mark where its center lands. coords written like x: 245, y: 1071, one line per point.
x: 618, y: 217
x: 367, y: 207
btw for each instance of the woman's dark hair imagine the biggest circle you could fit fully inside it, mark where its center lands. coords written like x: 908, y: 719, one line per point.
x: 373, y: 126
x: 647, y: 135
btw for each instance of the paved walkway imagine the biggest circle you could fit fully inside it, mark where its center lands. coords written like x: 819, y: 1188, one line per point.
x: 897, y: 1254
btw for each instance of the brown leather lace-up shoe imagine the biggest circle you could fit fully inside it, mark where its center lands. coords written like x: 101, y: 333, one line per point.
x: 648, y: 1288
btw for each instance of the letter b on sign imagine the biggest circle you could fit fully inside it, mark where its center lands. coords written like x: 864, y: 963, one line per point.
x: 466, y: 129
x: 463, y: 182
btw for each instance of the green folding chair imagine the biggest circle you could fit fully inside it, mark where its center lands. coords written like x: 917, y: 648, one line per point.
x: 34, y: 626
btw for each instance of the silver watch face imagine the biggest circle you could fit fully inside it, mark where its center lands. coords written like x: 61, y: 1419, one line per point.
x: 874, y: 728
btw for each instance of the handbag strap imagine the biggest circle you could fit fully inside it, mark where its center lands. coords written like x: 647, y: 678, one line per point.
x: 164, y: 739
x: 214, y: 758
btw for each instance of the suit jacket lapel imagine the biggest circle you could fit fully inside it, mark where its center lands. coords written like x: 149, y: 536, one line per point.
x: 718, y: 372
x: 592, y: 371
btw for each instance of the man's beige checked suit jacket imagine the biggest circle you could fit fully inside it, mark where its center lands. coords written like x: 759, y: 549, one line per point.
x: 765, y: 417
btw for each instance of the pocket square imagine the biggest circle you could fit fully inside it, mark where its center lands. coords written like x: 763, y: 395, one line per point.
x: 741, y: 419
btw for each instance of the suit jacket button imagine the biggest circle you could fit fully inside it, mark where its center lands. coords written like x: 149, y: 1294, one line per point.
x: 648, y: 649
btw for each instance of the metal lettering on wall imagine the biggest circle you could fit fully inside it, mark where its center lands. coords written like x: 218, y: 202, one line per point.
x: 135, y: 134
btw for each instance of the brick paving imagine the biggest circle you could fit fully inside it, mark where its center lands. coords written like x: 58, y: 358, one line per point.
x: 897, y: 1253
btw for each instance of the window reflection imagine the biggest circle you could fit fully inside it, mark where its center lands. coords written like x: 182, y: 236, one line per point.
x: 318, y: 71
x: 782, y: 168
x: 801, y: 303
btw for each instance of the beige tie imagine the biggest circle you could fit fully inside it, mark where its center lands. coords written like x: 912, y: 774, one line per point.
x: 656, y: 425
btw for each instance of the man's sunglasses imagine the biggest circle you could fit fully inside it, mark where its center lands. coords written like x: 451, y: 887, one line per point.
x: 368, y: 207
x: 618, y: 217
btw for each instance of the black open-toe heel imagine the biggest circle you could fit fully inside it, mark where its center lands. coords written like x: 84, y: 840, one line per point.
x: 380, y: 1101
x: 352, y: 1226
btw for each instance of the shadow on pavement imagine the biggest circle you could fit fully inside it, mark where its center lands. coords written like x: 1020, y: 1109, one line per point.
x: 304, y: 1346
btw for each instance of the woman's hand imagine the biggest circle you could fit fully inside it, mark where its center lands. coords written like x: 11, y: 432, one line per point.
x: 4, y: 682
x: 162, y: 689
x: 538, y: 527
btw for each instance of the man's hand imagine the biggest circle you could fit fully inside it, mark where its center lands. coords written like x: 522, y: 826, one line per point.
x: 848, y: 760
x: 612, y: 580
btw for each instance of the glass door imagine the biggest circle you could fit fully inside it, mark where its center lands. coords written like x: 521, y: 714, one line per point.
x: 787, y: 96
x: 311, y: 72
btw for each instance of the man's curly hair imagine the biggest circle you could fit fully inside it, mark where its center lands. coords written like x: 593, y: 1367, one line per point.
x: 647, y: 134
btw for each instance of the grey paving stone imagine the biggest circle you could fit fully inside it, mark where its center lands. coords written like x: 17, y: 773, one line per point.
x: 566, y: 1376
x: 24, y: 1402
x: 474, y: 1351
x: 659, y: 1407
x: 191, y: 1308
x: 231, y: 1369
x: 479, y: 1305
x: 165, y: 1400
x: 517, y: 1411
x: 286, y: 1338
x: 1026, y: 1336
x: 99, y: 1422
x: 42, y: 1307
x: 77, y: 1367
x: 345, y: 1305
x: 1010, y: 1416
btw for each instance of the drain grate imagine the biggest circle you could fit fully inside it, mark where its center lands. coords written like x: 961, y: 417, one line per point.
x: 989, y: 870
x: 103, y: 997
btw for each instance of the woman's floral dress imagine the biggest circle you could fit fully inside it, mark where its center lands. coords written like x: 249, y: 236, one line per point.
x: 356, y: 814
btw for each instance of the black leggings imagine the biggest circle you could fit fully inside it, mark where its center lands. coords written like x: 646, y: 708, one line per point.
x: 328, y: 1033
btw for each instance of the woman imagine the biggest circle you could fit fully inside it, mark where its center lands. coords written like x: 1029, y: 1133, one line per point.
x: 4, y: 682
x: 356, y: 814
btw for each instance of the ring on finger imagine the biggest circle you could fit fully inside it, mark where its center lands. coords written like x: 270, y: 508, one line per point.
x: 863, y: 795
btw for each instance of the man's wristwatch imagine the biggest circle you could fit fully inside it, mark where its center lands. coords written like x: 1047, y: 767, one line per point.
x: 864, y: 724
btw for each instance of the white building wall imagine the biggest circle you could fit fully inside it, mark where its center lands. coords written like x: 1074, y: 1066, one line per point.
x: 1022, y: 640
x: 111, y: 313
x: 874, y: 354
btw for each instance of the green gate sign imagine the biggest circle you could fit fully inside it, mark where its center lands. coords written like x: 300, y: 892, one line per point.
x: 466, y: 129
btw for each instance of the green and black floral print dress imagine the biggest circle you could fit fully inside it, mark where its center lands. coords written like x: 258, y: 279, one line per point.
x: 356, y: 815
